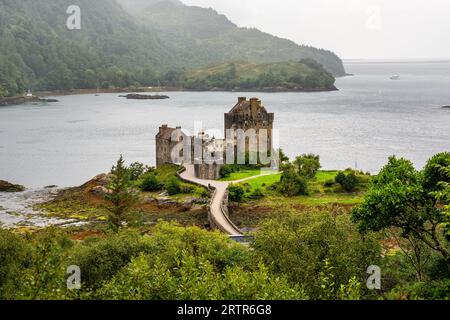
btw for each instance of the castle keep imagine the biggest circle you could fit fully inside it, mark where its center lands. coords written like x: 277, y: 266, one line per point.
x: 250, y: 115
x: 173, y: 146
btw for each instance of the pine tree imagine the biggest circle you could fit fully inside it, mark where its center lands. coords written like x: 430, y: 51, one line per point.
x: 122, y: 195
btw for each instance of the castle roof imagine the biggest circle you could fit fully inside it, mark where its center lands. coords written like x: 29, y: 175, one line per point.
x: 245, y: 106
x: 165, y: 132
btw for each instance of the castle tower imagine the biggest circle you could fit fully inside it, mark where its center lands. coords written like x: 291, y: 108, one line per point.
x: 250, y: 114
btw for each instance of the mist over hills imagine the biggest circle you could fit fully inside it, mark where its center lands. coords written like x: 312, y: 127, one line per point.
x: 208, y: 36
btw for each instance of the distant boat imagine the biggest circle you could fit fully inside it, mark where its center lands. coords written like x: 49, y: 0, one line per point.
x: 29, y: 94
x: 396, y: 77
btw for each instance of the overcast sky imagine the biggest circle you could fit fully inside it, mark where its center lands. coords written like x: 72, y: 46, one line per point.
x: 354, y: 29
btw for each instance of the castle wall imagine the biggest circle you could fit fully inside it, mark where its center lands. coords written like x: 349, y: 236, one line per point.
x: 207, y: 171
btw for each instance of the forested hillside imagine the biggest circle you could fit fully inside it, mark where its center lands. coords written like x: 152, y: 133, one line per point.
x: 38, y: 51
x: 115, y: 49
x: 206, y: 36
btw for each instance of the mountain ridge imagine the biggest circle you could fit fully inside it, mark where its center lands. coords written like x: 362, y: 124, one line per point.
x: 217, y: 37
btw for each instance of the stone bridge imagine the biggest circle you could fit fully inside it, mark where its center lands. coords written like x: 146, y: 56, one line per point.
x: 218, y: 208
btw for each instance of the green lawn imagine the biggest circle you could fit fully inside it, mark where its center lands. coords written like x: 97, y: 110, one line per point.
x: 235, y: 176
x: 319, y: 194
x: 262, y: 181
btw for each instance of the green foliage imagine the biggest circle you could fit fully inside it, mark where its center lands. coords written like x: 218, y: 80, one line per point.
x: 318, y: 237
x: 122, y: 195
x: 3, y: 92
x: 348, y: 181
x: 136, y: 170
x: 307, y: 165
x: 150, y: 183
x: 14, y: 255
x: 256, y: 194
x: 330, y: 290
x: 402, y: 197
x: 101, y: 259
x: 292, y: 184
x: 432, y: 290
x: 45, y: 278
x: 235, y: 193
x: 173, y: 186
x: 188, y: 263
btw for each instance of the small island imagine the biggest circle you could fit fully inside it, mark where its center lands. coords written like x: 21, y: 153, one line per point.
x: 134, y: 96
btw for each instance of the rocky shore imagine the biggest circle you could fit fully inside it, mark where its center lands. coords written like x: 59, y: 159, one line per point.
x: 8, y: 101
x: 6, y: 186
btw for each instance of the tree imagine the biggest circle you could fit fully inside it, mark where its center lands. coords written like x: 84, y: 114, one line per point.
x: 137, y: 169
x: 349, y: 182
x: 292, y: 184
x: 307, y: 165
x: 402, y: 197
x: 3, y: 91
x: 122, y: 194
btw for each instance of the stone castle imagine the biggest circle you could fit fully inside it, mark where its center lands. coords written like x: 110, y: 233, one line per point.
x: 246, y: 115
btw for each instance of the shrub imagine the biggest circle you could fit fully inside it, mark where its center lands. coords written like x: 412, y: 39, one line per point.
x: 205, y: 193
x: 256, y: 194
x: 150, y: 183
x: 292, y: 184
x: 100, y: 260
x: 349, y: 182
x: 235, y: 193
x: 187, y: 189
x: 226, y: 170
x: 173, y: 186
x: 13, y: 256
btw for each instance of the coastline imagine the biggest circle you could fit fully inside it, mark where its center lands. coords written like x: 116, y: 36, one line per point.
x: 39, y: 95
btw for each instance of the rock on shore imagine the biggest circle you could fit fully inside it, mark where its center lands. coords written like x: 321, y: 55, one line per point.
x: 5, y: 186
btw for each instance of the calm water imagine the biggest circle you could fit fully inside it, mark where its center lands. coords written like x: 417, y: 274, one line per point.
x: 370, y: 118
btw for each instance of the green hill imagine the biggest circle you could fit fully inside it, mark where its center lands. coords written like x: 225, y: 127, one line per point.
x: 114, y: 48
x: 306, y: 75
x: 38, y: 51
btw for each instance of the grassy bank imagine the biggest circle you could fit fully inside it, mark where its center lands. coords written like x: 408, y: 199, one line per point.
x: 87, y: 203
x: 323, y: 195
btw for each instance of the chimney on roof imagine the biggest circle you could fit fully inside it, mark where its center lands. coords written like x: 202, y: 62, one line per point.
x: 242, y: 99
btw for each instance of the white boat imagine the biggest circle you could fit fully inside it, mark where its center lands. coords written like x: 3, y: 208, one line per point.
x: 396, y: 77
